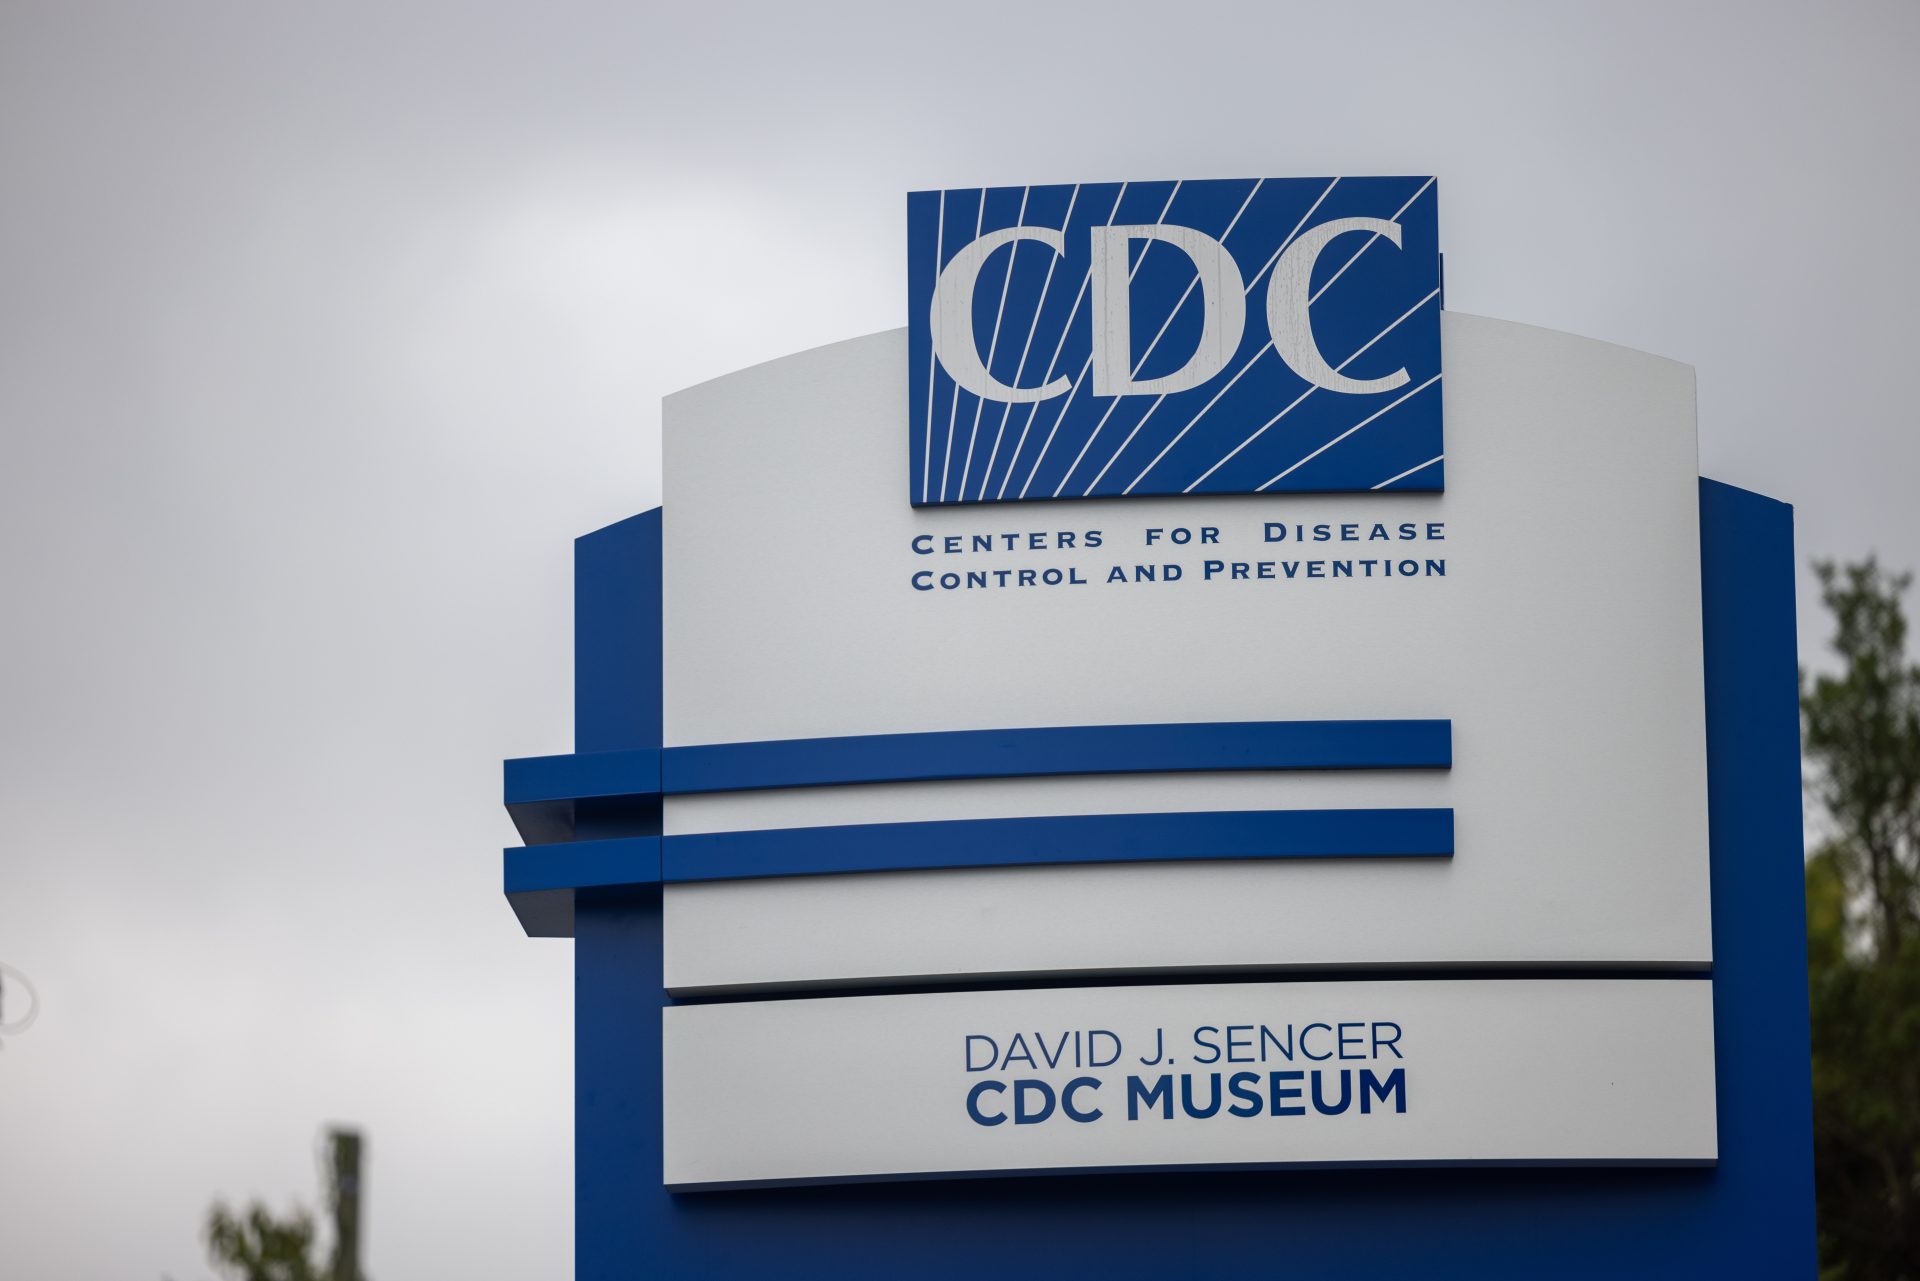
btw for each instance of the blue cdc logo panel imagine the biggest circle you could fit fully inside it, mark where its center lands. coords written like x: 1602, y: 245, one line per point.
x: 1226, y: 336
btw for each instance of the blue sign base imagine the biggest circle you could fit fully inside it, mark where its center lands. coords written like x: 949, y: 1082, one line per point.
x: 1750, y: 1216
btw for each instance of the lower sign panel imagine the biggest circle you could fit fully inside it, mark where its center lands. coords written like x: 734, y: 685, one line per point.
x: 1420, y: 1072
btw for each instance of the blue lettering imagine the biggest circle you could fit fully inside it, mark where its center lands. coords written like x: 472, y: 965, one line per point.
x: 1277, y: 1092
x: 1066, y: 1098
x: 1093, y: 1059
x: 1346, y: 1094
x: 1138, y: 1094
x: 1186, y: 1095
x: 1017, y: 1051
x: 1021, y: 1089
x: 1240, y: 1085
x: 1053, y: 1059
x: 993, y: 1052
x: 1372, y: 1087
x: 973, y: 1103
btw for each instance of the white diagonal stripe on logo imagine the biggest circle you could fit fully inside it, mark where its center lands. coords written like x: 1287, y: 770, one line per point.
x: 1140, y: 262
x: 1261, y: 430
x: 1405, y: 396
x: 1020, y: 372
x: 953, y: 410
x: 993, y: 344
x: 1118, y: 196
x: 1251, y: 285
x: 1408, y: 472
x: 1141, y: 363
x: 933, y: 359
x: 1315, y: 296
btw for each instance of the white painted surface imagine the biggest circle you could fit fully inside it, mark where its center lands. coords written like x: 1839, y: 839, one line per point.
x: 1542, y: 1071
x: 1563, y: 643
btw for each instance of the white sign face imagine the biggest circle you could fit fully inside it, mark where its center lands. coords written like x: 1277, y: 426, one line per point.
x: 1547, y: 604
x: 1591, y: 1071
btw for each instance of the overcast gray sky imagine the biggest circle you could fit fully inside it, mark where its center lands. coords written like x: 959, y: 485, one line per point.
x: 324, y: 328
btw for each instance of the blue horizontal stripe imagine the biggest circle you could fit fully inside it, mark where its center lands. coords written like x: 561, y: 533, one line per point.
x: 995, y: 753
x: 533, y: 780
x: 982, y: 842
x: 1089, y: 838
x: 627, y: 860
x: 1080, y: 749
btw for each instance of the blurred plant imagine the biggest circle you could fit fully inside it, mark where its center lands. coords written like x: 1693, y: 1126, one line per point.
x: 253, y: 1245
x: 1862, y: 736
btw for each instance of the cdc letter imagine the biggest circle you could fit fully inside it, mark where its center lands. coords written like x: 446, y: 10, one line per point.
x: 1223, y: 298
x: 951, y: 318
x: 1288, y: 296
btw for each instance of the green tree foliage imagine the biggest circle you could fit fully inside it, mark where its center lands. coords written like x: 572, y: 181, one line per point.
x: 253, y: 1245
x: 1862, y: 734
